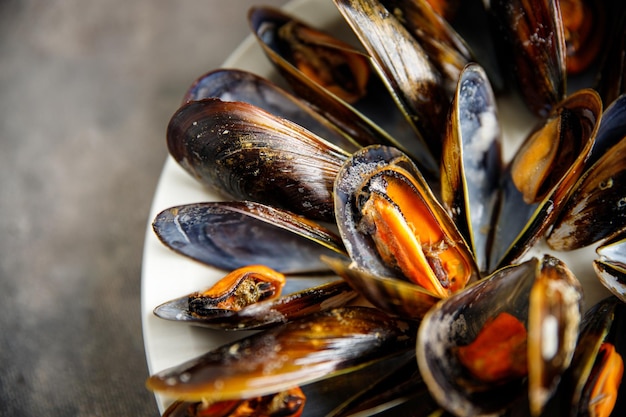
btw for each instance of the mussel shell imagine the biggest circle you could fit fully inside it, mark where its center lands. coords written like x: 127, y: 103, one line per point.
x: 263, y: 314
x: 230, y: 235
x: 404, y: 66
x: 520, y: 224
x: 472, y: 163
x: 395, y: 297
x: 351, y: 183
x: 446, y: 48
x: 300, y: 352
x: 596, y: 210
x: 457, y: 320
x: 604, y: 322
x: 611, y: 266
x: 375, y: 119
x: 239, y: 85
x: 532, y: 47
x: 243, y: 151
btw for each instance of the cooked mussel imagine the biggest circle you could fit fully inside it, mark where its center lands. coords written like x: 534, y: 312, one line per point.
x: 372, y: 119
x: 405, y: 67
x: 231, y: 235
x: 249, y: 154
x: 478, y: 349
x: 299, y: 352
x: 324, y: 59
x: 542, y: 175
x: 250, y: 298
x: 593, y: 383
x: 584, y: 31
x: 393, y: 225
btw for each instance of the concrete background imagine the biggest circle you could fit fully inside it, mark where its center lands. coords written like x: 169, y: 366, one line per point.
x: 86, y: 91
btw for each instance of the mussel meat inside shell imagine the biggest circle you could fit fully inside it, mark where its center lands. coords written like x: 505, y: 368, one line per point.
x: 593, y: 383
x: 238, y: 289
x: 395, y: 226
x: 250, y: 312
x: 478, y: 349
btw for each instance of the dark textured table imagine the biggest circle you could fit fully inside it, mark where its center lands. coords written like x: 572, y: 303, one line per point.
x: 86, y: 90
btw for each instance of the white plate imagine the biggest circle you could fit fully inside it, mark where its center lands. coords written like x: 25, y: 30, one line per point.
x: 167, y: 275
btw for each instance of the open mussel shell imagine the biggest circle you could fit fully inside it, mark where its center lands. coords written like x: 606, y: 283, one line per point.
x: 532, y: 47
x: 230, y: 235
x: 472, y: 162
x: 405, y: 67
x: 611, y: 266
x: 261, y: 314
x: 297, y: 353
x: 371, y: 119
x: 394, y: 227
x: 543, y: 297
x: 543, y: 174
x: 243, y: 151
x: 593, y: 384
x: 596, y: 210
x: 238, y: 85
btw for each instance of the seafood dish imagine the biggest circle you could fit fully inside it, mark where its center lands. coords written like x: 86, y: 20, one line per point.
x: 415, y: 208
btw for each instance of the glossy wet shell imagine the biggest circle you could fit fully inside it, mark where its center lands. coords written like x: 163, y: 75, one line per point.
x: 249, y: 154
x: 231, y: 235
x: 299, y: 352
x: 472, y: 163
x: 374, y: 171
x: 549, y: 305
x: 571, y: 129
x: 596, y: 210
x: 238, y: 85
x: 604, y: 322
x: 373, y: 119
x: 532, y: 47
x: 262, y: 314
x: 404, y: 66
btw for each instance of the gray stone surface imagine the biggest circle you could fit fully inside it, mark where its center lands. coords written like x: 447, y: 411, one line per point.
x: 86, y: 91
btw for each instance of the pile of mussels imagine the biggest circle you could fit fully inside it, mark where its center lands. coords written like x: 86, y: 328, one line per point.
x: 380, y: 165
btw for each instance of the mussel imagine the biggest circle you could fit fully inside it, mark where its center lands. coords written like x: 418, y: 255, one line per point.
x: 593, y: 384
x: 611, y: 266
x: 251, y: 298
x: 230, y: 235
x: 394, y: 227
x: 234, y: 148
x: 297, y: 352
x: 515, y: 330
